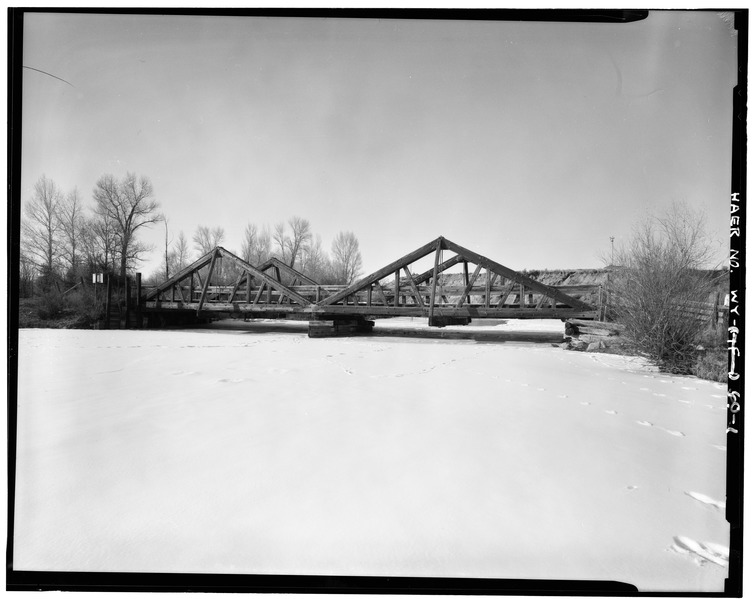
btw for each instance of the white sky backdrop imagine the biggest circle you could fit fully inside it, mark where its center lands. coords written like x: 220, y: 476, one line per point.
x: 531, y: 143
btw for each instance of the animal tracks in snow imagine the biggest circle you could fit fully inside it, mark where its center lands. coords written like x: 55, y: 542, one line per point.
x: 660, y: 428
x: 719, y: 505
x: 701, y: 552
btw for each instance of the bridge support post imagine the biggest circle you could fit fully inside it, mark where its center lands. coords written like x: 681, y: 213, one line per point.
x: 341, y: 327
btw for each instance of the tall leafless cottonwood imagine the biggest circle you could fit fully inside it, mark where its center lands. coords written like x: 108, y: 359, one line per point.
x: 256, y: 245
x: 129, y: 205
x: 41, y: 228
x: 291, y: 246
x: 180, y: 255
x: 346, y: 258
x: 72, y: 223
x: 206, y: 239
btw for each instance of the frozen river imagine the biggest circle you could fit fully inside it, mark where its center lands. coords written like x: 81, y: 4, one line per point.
x: 263, y: 451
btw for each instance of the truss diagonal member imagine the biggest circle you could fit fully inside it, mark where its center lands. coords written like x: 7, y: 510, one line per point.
x: 389, y: 269
x: 271, y: 283
x: 469, y: 286
x: 508, y: 273
x: 205, y: 288
x: 176, y: 278
x: 295, y: 274
x: 236, y: 285
x: 435, y: 276
x: 416, y: 293
x: 422, y: 278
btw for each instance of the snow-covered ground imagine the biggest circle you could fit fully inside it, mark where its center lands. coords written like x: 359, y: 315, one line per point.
x: 252, y: 450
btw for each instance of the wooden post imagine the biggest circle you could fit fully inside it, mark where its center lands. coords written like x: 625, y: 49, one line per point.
x: 434, y: 281
x: 716, y: 305
x: 487, y: 299
x: 206, y: 284
x: 396, y: 287
x: 248, y: 287
x: 107, y: 303
x: 468, y: 286
x: 467, y: 280
x: 127, y: 300
x: 416, y: 293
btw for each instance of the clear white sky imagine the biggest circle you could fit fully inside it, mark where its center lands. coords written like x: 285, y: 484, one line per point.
x: 531, y: 143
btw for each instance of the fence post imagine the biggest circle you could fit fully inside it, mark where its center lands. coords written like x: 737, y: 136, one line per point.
x: 107, y: 303
x: 127, y: 300
x: 139, y: 317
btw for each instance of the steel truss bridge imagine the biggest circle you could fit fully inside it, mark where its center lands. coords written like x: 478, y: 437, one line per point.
x: 275, y: 290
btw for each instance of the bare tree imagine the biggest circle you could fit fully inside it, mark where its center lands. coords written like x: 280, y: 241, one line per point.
x: 181, y: 253
x: 41, y: 227
x: 26, y: 274
x: 72, y: 223
x: 291, y: 246
x: 256, y: 245
x: 661, y: 273
x: 346, y: 258
x: 129, y: 206
x: 315, y: 262
x: 206, y: 239
x: 99, y: 243
x: 300, y: 237
x: 280, y: 240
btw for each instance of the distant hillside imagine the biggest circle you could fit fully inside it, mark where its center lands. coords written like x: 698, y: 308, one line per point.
x: 547, y: 277
x: 582, y: 276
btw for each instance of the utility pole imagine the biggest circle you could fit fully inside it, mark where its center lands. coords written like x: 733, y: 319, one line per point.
x: 612, y: 251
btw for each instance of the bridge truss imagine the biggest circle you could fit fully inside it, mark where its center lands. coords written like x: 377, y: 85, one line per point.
x: 484, y: 289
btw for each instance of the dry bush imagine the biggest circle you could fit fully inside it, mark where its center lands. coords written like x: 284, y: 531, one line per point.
x: 660, y: 272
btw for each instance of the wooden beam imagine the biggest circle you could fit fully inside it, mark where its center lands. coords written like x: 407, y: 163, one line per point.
x: 278, y: 264
x: 248, y: 278
x: 361, y: 284
x: 447, y: 264
x: 464, y: 273
x: 258, y: 293
x: 271, y: 283
x: 434, y: 280
x: 206, y: 285
x: 188, y: 270
x: 396, y: 287
x: 235, y: 287
x: 505, y: 294
x: 380, y: 292
x: 468, y: 285
x: 489, y: 284
x: 517, y: 277
x: 416, y: 293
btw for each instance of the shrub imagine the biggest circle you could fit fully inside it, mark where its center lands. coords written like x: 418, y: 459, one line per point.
x: 712, y: 365
x: 49, y: 305
x: 660, y: 275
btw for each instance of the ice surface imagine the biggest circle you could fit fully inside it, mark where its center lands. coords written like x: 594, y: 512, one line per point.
x: 236, y: 451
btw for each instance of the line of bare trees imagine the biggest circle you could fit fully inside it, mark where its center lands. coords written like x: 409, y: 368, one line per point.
x: 293, y: 242
x: 64, y: 240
